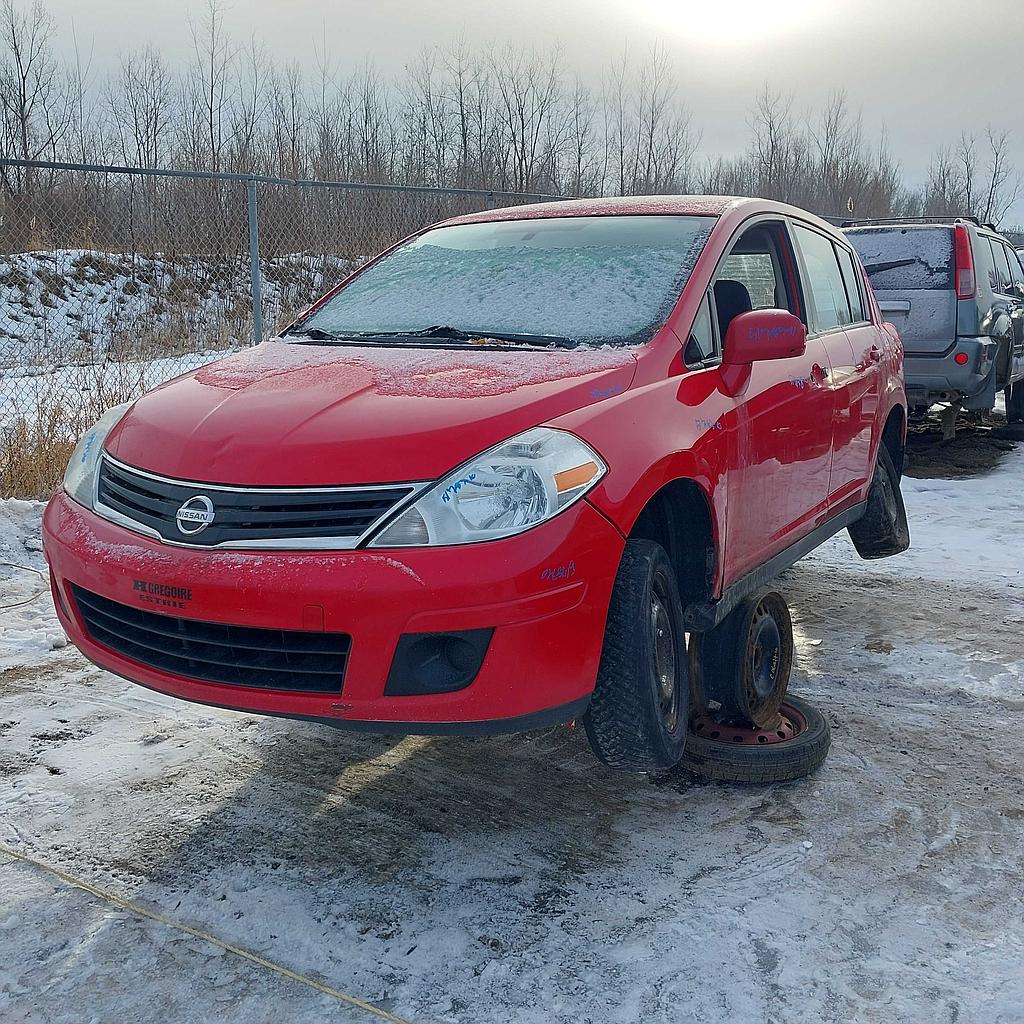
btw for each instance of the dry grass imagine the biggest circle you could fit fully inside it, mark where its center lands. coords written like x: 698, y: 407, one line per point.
x: 35, y: 452
x: 35, y: 447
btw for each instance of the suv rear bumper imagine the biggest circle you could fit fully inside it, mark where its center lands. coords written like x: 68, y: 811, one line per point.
x: 939, y: 378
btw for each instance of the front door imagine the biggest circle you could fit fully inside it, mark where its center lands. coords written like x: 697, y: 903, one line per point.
x: 779, y: 470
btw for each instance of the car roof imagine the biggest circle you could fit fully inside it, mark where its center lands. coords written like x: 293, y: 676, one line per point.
x: 622, y: 206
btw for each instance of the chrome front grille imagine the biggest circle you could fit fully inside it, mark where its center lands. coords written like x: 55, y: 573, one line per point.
x: 243, y: 517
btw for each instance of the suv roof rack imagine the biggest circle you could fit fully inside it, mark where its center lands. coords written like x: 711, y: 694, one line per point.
x: 865, y: 221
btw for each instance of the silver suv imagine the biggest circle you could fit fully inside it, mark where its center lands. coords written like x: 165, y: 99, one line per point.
x: 955, y: 291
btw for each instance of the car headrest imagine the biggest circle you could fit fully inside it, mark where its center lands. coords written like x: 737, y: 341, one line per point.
x: 731, y: 299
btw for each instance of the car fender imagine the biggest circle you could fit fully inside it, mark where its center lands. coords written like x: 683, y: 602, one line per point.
x: 688, y: 439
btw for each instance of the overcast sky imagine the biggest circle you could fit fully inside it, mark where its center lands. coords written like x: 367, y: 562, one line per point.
x: 925, y: 69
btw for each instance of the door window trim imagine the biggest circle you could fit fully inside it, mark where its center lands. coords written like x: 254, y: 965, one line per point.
x: 788, y: 269
x: 858, y: 277
x: 794, y: 222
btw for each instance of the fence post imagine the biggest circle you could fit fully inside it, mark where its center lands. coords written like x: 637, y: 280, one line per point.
x: 255, y: 275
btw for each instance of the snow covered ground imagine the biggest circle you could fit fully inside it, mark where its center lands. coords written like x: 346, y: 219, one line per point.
x: 515, y: 880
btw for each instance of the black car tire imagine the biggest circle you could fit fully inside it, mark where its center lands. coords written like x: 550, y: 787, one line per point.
x: 638, y: 715
x: 721, y: 759
x: 883, y: 530
x: 743, y: 665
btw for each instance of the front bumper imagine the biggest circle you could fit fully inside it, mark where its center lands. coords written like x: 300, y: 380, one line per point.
x: 545, y: 593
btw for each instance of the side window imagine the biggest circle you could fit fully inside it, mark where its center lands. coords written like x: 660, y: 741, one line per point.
x: 1016, y: 271
x: 851, y: 278
x: 701, y: 343
x: 824, y: 283
x: 756, y: 274
x: 985, y: 271
x: 1002, y: 279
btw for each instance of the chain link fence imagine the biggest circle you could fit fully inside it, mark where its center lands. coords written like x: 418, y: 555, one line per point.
x: 115, y: 279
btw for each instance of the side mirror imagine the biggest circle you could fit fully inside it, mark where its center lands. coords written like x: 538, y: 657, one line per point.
x: 763, y: 334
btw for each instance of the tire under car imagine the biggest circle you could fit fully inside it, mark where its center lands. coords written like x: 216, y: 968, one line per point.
x: 742, y: 666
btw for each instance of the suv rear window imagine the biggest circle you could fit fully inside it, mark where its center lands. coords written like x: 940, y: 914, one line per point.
x: 916, y: 258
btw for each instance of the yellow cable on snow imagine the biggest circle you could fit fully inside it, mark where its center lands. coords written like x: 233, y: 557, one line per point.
x: 198, y: 933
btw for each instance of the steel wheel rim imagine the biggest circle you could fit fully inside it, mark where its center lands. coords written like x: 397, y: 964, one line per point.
x: 765, y: 654
x: 665, y: 671
x: 789, y: 725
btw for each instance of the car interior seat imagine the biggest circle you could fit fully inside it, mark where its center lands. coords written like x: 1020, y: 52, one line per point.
x: 731, y: 299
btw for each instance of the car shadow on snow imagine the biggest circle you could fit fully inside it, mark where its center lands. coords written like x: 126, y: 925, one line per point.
x: 382, y: 808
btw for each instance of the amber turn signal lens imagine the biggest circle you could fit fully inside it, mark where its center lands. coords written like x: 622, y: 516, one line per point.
x: 570, y: 479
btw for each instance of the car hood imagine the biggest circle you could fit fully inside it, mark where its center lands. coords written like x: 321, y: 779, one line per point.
x: 301, y: 415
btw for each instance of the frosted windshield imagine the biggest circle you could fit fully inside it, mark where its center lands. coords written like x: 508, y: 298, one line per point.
x: 584, y: 279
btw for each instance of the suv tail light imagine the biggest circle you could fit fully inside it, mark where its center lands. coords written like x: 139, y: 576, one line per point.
x: 965, y: 285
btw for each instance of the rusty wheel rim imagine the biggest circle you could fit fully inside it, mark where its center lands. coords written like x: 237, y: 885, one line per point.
x: 788, y: 725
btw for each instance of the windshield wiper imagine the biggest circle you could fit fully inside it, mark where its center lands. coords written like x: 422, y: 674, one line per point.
x: 875, y: 268
x: 316, y: 333
x: 440, y: 333
x: 458, y: 334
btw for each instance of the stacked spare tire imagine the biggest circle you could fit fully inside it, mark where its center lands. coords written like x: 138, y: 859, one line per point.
x: 746, y: 727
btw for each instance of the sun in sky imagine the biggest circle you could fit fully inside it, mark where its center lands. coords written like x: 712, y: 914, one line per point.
x: 728, y: 23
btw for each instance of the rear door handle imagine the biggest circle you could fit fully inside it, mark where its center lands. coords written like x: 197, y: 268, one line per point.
x: 819, y: 374
x: 875, y: 354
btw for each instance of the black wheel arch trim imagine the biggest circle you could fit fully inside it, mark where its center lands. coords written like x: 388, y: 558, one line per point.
x: 705, y: 615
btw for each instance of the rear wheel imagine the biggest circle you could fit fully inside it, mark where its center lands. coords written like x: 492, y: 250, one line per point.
x: 743, y: 664
x: 638, y: 714
x: 883, y: 529
x: 794, y: 746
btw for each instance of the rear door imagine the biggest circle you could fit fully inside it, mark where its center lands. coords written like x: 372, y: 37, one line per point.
x: 852, y: 346
x: 852, y: 466
x: 911, y: 269
x: 1010, y: 288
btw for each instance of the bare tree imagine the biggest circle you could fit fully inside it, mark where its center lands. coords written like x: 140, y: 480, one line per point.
x: 35, y: 103
x: 1003, y: 184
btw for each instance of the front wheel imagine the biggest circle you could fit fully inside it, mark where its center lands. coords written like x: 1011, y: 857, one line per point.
x: 638, y: 714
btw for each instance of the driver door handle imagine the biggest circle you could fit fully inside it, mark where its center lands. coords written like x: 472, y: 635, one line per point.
x: 819, y: 374
x: 875, y: 354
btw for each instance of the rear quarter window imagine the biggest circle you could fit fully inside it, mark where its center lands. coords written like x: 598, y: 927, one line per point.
x: 909, y: 258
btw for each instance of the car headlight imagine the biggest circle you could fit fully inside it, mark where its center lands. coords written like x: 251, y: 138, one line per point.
x: 80, y: 476
x: 508, y: 489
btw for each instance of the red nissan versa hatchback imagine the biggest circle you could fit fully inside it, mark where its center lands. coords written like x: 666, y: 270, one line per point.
x: 492, y: 480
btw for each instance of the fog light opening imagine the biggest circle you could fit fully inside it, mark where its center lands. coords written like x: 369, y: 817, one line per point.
x: 426, y: 663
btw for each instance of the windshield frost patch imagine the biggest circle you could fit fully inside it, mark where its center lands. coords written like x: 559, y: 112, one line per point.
x: 585, y: 293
